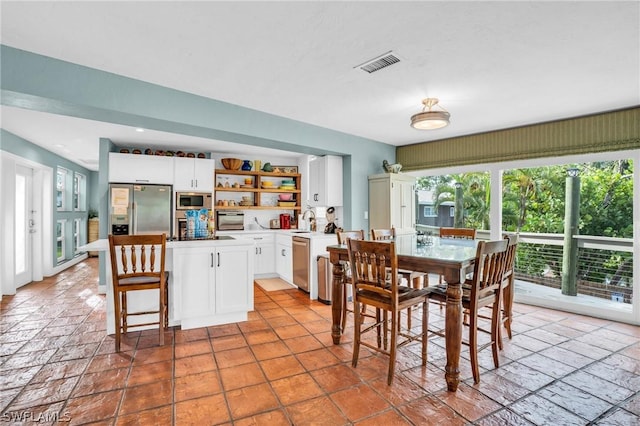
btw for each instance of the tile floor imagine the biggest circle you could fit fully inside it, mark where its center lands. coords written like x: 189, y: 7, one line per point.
x: 281, y: 368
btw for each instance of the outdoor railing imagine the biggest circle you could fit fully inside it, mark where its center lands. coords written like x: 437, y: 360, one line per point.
x: 605, y: 264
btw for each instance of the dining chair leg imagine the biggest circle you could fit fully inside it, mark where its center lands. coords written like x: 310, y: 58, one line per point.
x: 356, y: 333
x: 392, y: 351
x: 117, y: 314
x: 425, y: 330
x: 343, y: 324
x: 496, y: 322
x: 161, y: 314
x: 124, y: 312
x: 473, y: 348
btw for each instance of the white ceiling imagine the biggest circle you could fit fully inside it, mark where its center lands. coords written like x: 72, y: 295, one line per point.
x: 493, y: 65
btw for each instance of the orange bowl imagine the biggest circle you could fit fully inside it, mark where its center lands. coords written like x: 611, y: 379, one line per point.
x: 231, y: 163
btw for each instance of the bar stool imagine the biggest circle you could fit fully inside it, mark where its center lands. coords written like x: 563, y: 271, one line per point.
x: 343, y: 236
x: 133, y: 268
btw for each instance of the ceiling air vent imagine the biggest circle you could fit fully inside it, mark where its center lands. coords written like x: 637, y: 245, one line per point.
x: 380, y: 62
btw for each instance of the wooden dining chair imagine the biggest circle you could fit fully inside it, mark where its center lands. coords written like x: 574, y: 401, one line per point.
x: 483, y: 290
x: 456, y: 233
x: 138, y: 263
x: 414, y: 279
x: 343, y: 236
x: 370, y: 261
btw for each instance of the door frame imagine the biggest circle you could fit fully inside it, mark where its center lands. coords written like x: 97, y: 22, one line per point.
x: 42, y: 203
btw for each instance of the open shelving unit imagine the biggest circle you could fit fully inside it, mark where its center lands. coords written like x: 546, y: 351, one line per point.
x: 231, y: 184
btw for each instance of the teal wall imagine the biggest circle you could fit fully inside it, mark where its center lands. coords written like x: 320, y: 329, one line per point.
x: 45, y: 84
x: 25, y: 149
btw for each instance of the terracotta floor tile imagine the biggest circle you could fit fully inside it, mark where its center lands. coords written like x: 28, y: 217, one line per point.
x: 67, y: 353
x: 401, y: 391
x: 423, y: 411
x: 155, y: 416
x: 101, y: 381
x: 234, y: 357
x: 317, y: 359
x: 194, y: 364
x: 303, y: 344
x: 499, y: 388
x: 261, y: 336
x: 251, y: 400
x: 197, y: 385
x: 388, y: 418
x: 296, y: 388
x: 225, y: 343
x: 469, y: 402
x: 149, y: 373
x: 270, y: 310
x: 289, y: 331
x: 223, y: 330
x: 18, y: 377
x: 359, y: 402
x: 207, y: 410
x: 270, y: 350
x: 241, y: 376
x: 21, y: 360
x: 109, y: 361
x: 278, y: 368
x: 336, y: 377
x: 253, y: 326
x: 197, y: 347
x: 92, y: 408
x: 184, y: 336
x: 524, y: 376
x: 152, y: 395
x: 615, y: 375
x: 154, y: 354
x: 6, y: 396
x: 271, y: 418
x: 633, y: 404
x: 321, y: 411
x: 281, y: 321
x: 547, y: 366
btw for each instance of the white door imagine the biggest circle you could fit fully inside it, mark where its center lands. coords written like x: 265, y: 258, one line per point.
x: 25, y: 225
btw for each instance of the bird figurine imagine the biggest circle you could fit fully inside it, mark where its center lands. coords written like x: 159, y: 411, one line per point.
x: 386, y: 166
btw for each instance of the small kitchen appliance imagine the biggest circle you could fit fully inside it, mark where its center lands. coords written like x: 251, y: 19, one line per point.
x: 285, y: 221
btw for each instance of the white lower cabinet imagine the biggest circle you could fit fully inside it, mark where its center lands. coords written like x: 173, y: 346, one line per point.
x: 284, y: 258
x: 214, y: 285
x: 264, y: 252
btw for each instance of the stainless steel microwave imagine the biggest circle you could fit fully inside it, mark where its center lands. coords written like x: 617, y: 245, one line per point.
x: 193, y: 200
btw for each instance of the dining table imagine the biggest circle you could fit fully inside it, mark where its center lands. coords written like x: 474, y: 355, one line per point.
x: 451, y: 258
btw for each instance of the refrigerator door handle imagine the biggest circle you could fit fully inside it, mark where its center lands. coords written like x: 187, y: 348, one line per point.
x: 134, y: 218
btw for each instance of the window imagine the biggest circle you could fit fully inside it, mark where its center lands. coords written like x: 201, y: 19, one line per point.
x: 76, y: 235
x: 429, y: 211
x: 452, y: 211
x: 61, y: 182
x: 60, y: 246
x: 79, y: 192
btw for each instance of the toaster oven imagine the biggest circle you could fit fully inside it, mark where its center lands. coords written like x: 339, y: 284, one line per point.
x: 229, y: 220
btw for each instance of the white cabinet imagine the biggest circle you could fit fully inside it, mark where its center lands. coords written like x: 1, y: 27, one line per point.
x: 132, y: 168
x: 214, y: 285
x: 193, y: 174
x: 284, y: 258
x: 392, y: 202
x: 325, y: 181
x: 264, y: 253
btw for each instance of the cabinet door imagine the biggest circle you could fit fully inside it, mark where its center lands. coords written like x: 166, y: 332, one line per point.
x: 407, y: 206
x: 194, y: 269
x: 234, y: 278
x: 266, y: 253
x: 183, y: 174
x: 203, y: 174
x: 316, y: 181
x: 131, y: 168
x: 284, y: 262
x: 325, y: 181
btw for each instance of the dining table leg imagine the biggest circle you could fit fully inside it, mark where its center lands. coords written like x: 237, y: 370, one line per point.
x: 453, y: 329
x: 337, y: 296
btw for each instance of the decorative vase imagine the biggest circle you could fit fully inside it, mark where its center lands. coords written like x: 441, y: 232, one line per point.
x: 247, y: 165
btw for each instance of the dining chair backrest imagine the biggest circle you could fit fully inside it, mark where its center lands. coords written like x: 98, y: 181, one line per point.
x: 383, y: 234
x: 371, y: 262
x: 512, y: 246
x: 461, y: 233
x: 134, y: 256
x: 343, y: 236
x: 489, y: 269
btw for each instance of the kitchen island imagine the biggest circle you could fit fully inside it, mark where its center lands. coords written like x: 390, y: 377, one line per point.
x: 210, y: 283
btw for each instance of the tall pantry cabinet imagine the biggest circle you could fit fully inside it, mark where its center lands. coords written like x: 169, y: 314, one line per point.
x: 392, y: 202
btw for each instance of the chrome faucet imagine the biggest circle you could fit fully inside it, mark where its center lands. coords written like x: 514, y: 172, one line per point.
x: 312, y: 221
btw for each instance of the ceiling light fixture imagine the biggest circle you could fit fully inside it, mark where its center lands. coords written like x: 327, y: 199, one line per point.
x: 428, y: 119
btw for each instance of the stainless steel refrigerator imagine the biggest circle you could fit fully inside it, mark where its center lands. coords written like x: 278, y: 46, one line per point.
x: 140, y: 209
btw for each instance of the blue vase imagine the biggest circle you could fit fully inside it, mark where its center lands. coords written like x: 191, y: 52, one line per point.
x: 247, y: 165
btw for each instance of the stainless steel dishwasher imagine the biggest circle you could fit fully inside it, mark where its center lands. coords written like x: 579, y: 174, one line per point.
x: 301, y: 249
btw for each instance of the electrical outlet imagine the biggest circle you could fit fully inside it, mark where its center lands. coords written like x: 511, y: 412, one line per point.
x: 366, y: 214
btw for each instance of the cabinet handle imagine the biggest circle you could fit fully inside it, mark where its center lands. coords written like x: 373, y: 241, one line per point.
x: 196, y: 183
x: 283, y: 254
x: 260, y: 250
x: 212, y: 260
x: 218, y: 259
x: 256, y: 250
x: 142, y: 180
x: 192, y: 183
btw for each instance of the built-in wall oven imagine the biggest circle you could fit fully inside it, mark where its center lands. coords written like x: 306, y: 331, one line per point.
x: 188, y: 201
x: 229, y: 220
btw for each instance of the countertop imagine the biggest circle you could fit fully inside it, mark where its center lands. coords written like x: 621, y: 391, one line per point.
x: 292, y: 232
x: 103, y: 244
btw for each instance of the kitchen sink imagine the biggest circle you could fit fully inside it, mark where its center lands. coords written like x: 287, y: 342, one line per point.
x: 300, y: 232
